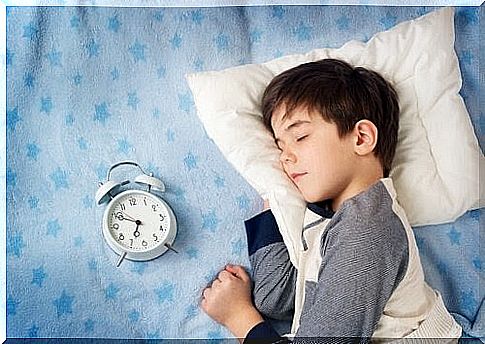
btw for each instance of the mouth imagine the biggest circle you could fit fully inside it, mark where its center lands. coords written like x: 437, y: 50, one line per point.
x: 296, y: 176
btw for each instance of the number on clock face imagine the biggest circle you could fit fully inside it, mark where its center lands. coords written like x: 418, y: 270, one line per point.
x: 138, y: 222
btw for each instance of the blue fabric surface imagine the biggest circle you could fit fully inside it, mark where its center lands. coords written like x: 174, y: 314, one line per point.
x: 215, y: 3
x: 88, y: 87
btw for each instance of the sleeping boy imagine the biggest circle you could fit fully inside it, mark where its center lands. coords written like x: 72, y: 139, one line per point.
x: 359, y: 274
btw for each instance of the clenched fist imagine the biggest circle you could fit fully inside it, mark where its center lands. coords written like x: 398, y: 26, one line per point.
x: 228, y: 301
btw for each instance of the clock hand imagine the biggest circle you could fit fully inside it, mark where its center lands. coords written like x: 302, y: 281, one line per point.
x: 128, y: 217
x: 137, y: 233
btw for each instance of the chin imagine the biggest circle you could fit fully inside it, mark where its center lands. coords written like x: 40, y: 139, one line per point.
x: 314, y: 195
x: 312, y: 198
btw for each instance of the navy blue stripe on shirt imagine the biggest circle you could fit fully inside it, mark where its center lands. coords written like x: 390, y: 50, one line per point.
x: 262, y: 230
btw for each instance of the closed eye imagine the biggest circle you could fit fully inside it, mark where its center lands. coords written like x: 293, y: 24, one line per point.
x: 298, y: 139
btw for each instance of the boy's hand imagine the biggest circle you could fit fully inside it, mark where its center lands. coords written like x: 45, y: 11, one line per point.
x: 228, y: 301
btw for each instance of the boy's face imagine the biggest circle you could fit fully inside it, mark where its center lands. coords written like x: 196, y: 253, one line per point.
x: 314, y: 157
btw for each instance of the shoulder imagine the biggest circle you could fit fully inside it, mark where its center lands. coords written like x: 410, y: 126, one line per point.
x: 368, y: 220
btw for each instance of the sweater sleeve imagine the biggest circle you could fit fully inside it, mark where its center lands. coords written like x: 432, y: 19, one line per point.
x: 273, y: 274
x: 263, y: 333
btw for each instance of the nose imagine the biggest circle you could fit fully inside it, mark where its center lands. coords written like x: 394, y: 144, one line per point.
x: 287, y: 156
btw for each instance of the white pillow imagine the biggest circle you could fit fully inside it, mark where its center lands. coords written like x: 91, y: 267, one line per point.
x: 436, y: 166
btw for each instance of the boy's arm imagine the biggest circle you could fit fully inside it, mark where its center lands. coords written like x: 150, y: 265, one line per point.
x: 273, y: 274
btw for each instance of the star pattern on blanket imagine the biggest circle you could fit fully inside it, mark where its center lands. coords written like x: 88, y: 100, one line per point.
x: 477, y: 263
x: 60, y: 178
x: 33, y: 151
x: 89, y: 325
x: 278, y: 12
x: 197, y: 16
x: 78, y: 241
x: 255, y: 36
x: 101, y: 112
x: 467, y: 16
x: 13, y: 118
x: 469, y: 301
x: 53, y: 227
x: 243, y: 202
x: 31, y: 31
x: 219, y: 181
x: 111, y: 292
x: 33, y: 202
x: 29, y: 80
x: 64, y: 304
x: 198, y: 64
x: 54, y: 57
x: 12, y: 305
x: 92, y: 265
x: 77, y: 79
x: 75, y: 22
x: 69, y: 119
x: 114, y: 24
x: 133, y: 100
x: 165, y: 293
x: 162, y: 72
x: 238, y: 247
x: 139, y: 268
x: 9, y: 57
x: 33, y: 331
x: 11, y: 178
x: 137, y: 49
x: 134, y: 315
x: 454, y: 236
x: 176, y: 41
x: 92, y: 48
x: 343, y: 23
x: 388, y: 21
x: 15, y: 244
x: 82, y: 143
x: 303, y: 32
x: 193, y: 253
x: 46, y: 105
x: 222, y: 42
x: 186, y: 102
x: 210, y: 221
x: 115, y: 74
x: 190, y: 161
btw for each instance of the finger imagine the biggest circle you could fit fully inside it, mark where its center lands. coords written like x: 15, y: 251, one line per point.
x: 216, y: 283
x: 238, y: 271
x: 224, y: 275
x: 203, y: 305
x: 206, y: 293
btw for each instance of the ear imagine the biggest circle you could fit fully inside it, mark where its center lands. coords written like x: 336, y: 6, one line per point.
x: 365, y: 133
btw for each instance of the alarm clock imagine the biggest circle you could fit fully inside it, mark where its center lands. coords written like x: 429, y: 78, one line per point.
x: 138, y: 225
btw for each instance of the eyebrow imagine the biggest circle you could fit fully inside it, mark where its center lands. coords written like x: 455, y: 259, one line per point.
x: 292, y: 126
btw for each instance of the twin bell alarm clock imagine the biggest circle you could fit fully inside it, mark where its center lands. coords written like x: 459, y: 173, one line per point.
x: 138, y: 225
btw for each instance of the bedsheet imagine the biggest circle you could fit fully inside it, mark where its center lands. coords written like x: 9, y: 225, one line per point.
x: 90, y: 86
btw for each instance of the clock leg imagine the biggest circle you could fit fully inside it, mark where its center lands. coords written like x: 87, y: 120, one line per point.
x: 123, y: 255
x: 171, y: 248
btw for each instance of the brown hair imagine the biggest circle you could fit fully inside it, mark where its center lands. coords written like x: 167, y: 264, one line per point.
x: 343, y: 95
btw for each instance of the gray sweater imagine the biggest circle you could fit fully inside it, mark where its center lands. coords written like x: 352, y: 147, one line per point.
x: 354, y: 261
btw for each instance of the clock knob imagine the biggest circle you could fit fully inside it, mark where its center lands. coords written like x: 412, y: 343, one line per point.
x: 103, y: 194
x: 152, y: 182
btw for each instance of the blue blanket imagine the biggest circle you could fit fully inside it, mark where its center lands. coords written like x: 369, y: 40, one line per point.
x: 90, y: 86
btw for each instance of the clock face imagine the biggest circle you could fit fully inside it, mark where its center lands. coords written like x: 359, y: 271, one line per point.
x: 138, y: 221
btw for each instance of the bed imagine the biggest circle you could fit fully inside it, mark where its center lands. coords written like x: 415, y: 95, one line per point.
x: 90, y: 86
